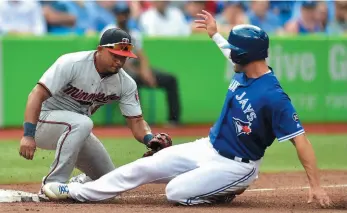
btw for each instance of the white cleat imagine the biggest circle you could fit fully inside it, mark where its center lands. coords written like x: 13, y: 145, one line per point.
x: 56, y: 191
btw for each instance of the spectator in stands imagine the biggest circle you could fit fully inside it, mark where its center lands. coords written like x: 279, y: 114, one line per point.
x: 232, y: 14
x: 164, y: 20
x: 136, y: 9
x: 338, y: 25
x: 145, y: 5
x: 307, y: 22
x: 283, y: 9
x: 296, y: 11
x: 260, y: 15
x: 322, y: 15
x: 85, y: 23
x: 56, y: 18
x: 101, y: 12
x: 140, y: 69
x: 191, y: 9
x: 22, y: 18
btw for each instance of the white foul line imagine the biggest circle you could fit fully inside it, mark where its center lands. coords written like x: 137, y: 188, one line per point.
x: 250, y: 190
x: 294, y: 188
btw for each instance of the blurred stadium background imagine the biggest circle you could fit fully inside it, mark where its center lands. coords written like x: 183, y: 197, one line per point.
x: 308, y: 53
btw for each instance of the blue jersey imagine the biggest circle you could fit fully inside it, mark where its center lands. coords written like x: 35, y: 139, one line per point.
x: 255, y: 113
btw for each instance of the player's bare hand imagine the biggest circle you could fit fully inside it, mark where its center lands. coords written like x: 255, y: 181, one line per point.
x: 320, y: 195
x: 207, y: 22
x: 27, y: 147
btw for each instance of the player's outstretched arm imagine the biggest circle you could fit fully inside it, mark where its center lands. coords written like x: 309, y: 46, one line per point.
x: 308, y: 160
x: 33, y: 108
x: 208, y: 23
x: 139, y: 127
x: 143, y: 134
x: 131, y: 109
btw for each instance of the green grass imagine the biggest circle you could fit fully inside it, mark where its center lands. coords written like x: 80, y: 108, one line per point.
x: 330, y: 151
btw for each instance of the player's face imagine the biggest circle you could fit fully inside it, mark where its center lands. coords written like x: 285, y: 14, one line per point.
x: 122, y: 18
x: 118, y: 62
x: 112, y: 62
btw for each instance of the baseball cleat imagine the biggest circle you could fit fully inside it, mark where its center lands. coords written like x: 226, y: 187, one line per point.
x: 56, y: 191
x: 81, y: 178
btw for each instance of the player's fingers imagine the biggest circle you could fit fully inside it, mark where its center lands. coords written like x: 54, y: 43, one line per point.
x: 207, y: 13
x: 202, y: 16
x: 200, y: 21
x: 32, y: 151
x: 201, y: 26
x: 21, y: 151
x: 27, y: 153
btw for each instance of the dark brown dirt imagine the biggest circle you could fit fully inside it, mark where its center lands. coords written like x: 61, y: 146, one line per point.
x: 284, y: 195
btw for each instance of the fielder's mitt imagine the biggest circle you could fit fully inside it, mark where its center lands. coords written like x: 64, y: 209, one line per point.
x: 159, y: 141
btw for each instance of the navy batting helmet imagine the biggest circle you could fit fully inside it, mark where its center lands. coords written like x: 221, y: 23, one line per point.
x: 247, y: 43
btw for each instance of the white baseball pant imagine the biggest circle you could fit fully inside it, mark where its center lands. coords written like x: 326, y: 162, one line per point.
x: 70, y: 134
x: 194, y: 171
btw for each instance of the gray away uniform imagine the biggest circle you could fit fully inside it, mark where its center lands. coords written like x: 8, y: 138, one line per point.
x: 77, y: 91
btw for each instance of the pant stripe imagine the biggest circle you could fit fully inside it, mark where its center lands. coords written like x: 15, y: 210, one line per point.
x: 223, y: 190
x: 61, y: 145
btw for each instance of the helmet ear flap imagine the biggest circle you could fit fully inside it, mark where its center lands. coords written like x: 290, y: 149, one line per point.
x: 241, y: 58
x: 244, y: 58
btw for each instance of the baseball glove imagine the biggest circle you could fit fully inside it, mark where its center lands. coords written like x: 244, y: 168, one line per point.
x: 159, y: 141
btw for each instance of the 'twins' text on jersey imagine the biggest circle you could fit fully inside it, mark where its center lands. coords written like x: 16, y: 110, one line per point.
x: 88, y: 98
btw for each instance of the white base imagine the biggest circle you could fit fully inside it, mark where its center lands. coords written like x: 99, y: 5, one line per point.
x: 11, y: 196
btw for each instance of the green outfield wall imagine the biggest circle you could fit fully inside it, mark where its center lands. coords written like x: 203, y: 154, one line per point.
x: 312, y: 70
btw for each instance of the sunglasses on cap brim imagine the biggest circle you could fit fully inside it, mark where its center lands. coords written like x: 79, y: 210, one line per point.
x: 121, y: 46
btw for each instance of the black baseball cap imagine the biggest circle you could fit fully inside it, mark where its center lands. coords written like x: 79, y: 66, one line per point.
x: 121, y: 8
x: 309, y: 4
x: 115, y: 38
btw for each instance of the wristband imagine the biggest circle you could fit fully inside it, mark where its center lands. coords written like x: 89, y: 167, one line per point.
x: 29, y: 129
x: 147, y: 138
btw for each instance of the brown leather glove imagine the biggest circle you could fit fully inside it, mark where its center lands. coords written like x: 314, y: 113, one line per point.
x: 158, y: 142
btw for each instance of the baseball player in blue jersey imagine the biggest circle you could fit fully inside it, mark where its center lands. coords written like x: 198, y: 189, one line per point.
x: 215, y: 169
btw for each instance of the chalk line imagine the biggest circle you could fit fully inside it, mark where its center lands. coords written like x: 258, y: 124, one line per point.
x: 250, y: 190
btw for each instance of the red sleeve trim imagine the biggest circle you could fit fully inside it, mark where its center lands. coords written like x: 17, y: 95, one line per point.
x: 132, y: 117
x: 44, y: 86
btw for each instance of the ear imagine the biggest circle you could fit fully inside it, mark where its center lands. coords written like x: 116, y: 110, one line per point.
x: 99, y: 48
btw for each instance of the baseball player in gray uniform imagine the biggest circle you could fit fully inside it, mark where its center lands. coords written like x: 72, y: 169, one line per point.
x: 58, y: 110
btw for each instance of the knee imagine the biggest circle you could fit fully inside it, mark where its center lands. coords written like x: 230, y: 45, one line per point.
x: 168, y: 80
x: 83, y: 124
x: 172, y: 193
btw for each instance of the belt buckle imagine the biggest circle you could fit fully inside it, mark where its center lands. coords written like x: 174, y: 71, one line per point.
x: 242, y: 160
x: 238, y: 159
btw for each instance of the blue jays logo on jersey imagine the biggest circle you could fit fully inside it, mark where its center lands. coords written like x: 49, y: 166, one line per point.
x: 242, y: 127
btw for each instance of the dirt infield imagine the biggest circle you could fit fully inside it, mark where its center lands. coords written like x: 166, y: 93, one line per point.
x: 277, y: 192
x: 281, y: 192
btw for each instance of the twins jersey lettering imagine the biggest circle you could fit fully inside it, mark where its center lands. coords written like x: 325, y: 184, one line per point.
x: 76, y: 86
x: 255, y: 112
